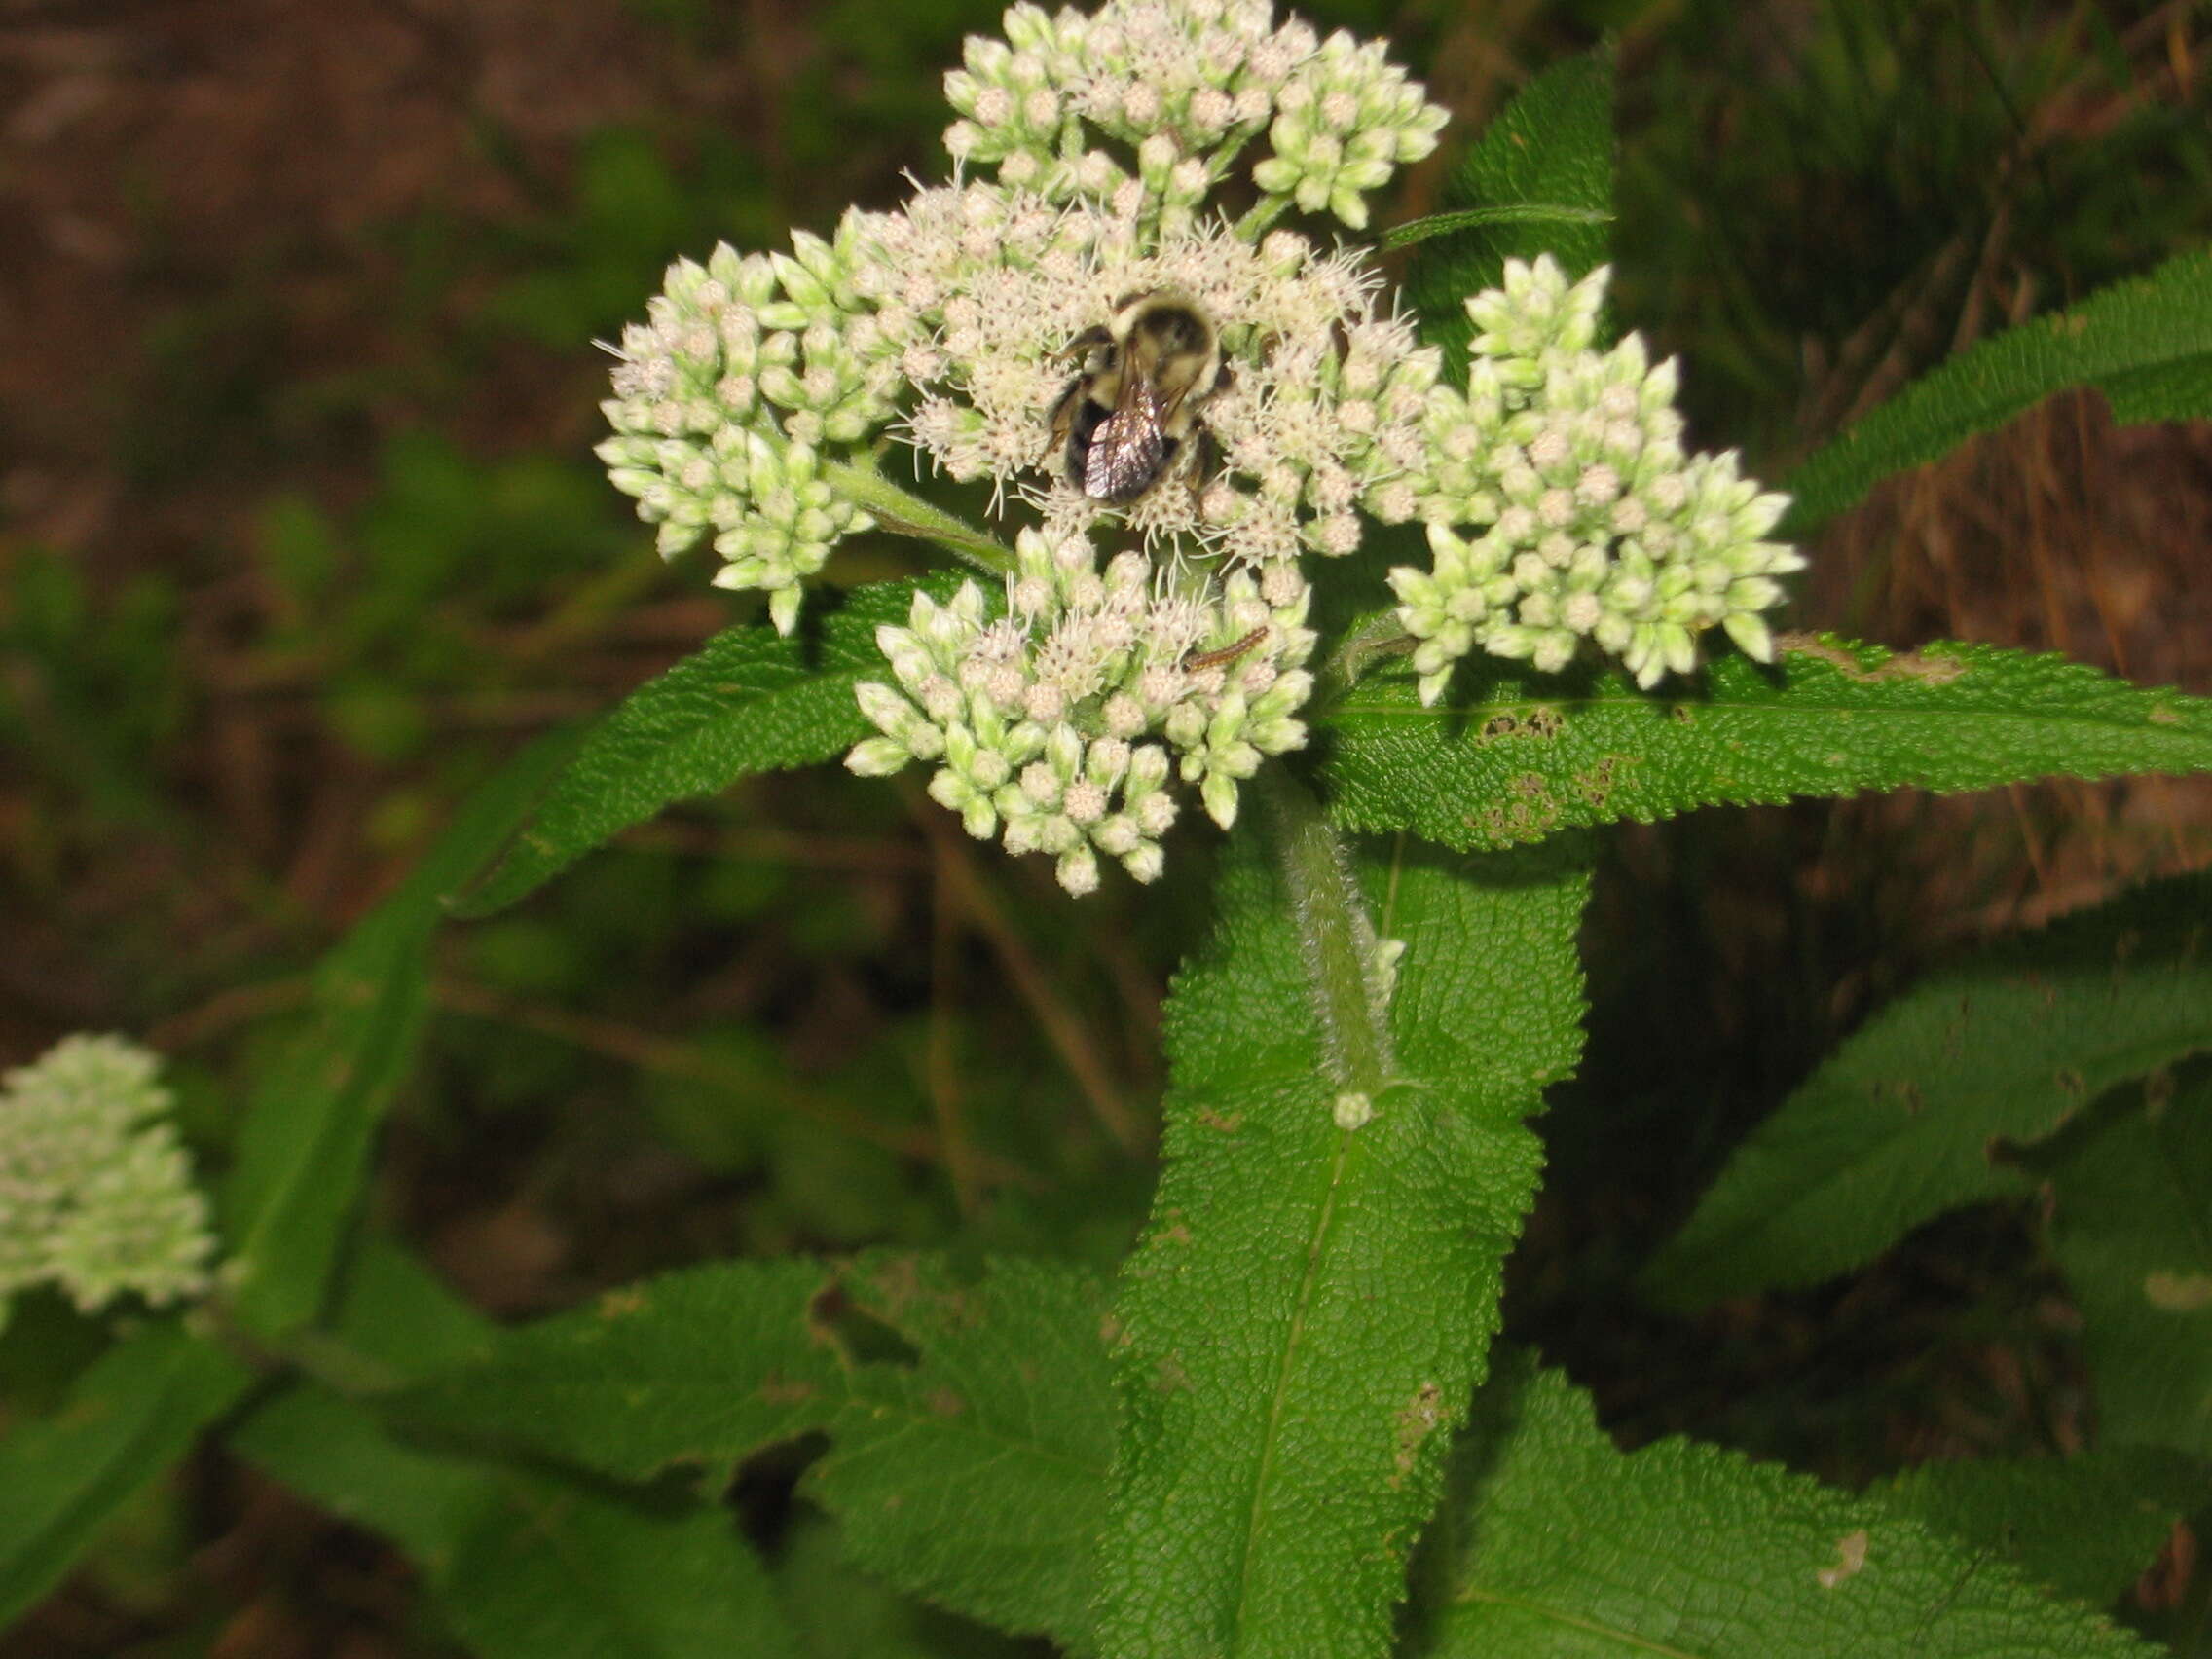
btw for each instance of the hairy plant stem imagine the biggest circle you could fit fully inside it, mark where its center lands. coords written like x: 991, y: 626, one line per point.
x: 1335, y: 935
x: 1360, y: 649
x: 906, y: 514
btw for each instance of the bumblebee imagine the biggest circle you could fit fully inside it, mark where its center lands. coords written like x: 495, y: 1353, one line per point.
x: 1145, y: 379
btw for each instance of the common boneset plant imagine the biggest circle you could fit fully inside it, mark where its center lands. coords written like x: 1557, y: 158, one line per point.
x: 1236, y: 1448
x: 1560, y: 505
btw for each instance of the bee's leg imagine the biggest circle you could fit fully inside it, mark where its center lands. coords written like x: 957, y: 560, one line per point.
x: 1205, y: 461
x: 1093, y: 338
x: 1061, y: 421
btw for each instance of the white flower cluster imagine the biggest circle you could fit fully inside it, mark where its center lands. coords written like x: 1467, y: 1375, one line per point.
x: 743, y: 384
x: 1059, y: 724
x: 95, y: 1191
x: 1591, y: 522
x: 1185, y: 85
x: 983, y: 324
x: 1323, y: 410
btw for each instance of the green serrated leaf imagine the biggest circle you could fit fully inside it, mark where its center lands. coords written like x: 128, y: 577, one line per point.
x: 525, y: 1564
x: 1312, y: 1304
x: 2131, y: 1224
x: 2146, y: 344
x: 1566, y: 1548
x: 749, y: 700
x: 1908, y: 1119
x: 305, y: 1145
x: 973, y: 1473
x: 1516, y: 756
x: 1544, y: 172
x: 132, y: 1413
x: 2088, y: 1526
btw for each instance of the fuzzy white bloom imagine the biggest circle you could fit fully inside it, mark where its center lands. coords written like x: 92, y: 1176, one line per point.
x: 1324, y: 400
x: 95, y: 1191
x: 1085, y: 697
x: 1583, y: 517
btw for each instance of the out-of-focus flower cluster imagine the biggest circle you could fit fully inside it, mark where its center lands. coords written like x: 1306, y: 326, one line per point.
x: 1587, y: 519
x: 95, y: 1191
x: 751, y: 404
x: 1060, y: 722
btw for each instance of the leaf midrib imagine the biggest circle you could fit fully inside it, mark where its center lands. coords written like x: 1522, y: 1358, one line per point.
x: 2069, y: 715
x: 1270, y: 1436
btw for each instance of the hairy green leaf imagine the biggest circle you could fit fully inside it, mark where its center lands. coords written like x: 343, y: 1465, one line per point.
x: 749, y: 700
x: 966, y: 1464
x: 2147, y: 344
x: 2087, y: 1526
x: 129, y: 1416
x: 1311, y: 1303
x: 1908, y: 1119
x: 304, y: 1149
x: 2131, y: 1224
x: 526, y: 1565
x: 1567, y: 1547
x: 1539, y: 180
x: 1516, y: 756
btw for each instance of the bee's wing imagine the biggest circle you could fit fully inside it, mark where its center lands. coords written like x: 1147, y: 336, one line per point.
x: 1130, y: 447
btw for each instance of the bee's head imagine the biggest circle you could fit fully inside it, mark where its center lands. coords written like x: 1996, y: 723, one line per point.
x: 1163, y: 324
x: 1166, y: 335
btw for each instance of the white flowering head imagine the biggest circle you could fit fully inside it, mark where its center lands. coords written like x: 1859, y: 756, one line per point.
x: 1065, y: 103
x: 95, y: 1192
x: 1060, y: 720
x: 1562, y: 507
x: 1158, y: 625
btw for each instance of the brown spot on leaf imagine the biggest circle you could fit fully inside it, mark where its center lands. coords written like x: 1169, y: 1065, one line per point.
x: 1933, y: 671
x: 1417, y: 1418
x: 944, y: 1403
x: 1850, y: 1557
x: 777, y: 1390
x: 621, y: 1303
x: 1225, y: 1122
x: 1541, y: 721
x: 2178, y: 1293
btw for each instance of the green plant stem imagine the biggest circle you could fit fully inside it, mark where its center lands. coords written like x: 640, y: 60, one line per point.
x: 908, y: 514
x: 1335, y: 935
x: 1379, y: 637
x: 1264, y: 212
x: 316, y: 1354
